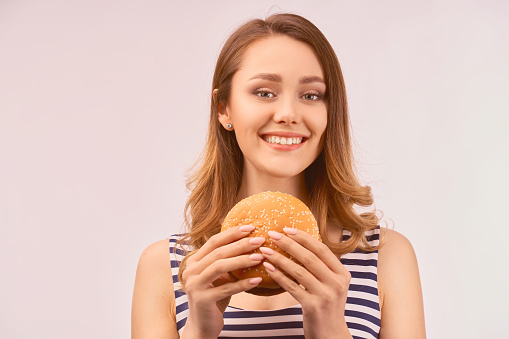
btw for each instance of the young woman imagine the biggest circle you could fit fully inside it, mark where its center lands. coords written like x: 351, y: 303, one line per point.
x: 279, y: 122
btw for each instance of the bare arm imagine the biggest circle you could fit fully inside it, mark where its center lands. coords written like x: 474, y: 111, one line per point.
x: 400, y: 289
x: 153, y: 307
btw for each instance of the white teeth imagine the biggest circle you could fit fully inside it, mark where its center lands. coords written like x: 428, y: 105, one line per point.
x: 282, y: 141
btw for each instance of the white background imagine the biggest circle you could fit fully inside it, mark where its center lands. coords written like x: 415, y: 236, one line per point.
x: 104, y: 106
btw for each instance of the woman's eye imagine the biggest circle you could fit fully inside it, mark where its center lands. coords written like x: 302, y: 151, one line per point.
x: 265, y: 94
x: 311, y: 96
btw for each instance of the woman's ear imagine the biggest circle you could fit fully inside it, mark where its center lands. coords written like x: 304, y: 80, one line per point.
x: 222, y: 112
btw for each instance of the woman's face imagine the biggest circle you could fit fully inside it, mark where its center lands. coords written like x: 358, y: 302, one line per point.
x: 277, y: 107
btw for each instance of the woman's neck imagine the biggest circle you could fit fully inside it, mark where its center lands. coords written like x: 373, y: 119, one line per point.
x: 295, y: 186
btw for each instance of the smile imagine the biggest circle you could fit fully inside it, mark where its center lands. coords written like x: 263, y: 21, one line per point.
x: 282, y: 140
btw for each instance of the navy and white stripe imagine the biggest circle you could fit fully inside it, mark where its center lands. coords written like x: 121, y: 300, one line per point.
x: 362, y: 310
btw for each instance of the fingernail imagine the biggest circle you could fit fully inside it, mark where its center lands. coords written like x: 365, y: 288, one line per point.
x: 257, y: 240
x: 255, y: 281
x: 256, y: 257
x: 275, y: 235
x: 269, y: 266
x: 246, y: 228
x: 290, y: 231
x: 266, y: 250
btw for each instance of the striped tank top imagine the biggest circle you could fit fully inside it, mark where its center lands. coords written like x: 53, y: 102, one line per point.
x: 362, y: 311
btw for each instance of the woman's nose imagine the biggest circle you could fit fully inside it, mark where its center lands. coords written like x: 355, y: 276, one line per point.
x: 287, y: 112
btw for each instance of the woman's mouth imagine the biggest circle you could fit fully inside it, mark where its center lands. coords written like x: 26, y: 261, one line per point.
x: 288, y: 143
x: 272, y: 139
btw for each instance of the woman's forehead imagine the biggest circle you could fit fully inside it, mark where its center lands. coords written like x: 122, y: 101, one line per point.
x: 280, y: 55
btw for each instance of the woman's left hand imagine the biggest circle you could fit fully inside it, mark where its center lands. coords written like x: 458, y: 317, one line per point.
x: 323, y: 280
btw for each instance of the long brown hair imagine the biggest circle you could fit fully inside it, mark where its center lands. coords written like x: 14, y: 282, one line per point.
x: 331, y: 180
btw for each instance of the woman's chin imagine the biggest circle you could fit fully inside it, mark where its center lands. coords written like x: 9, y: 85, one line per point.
x: 284, y: 171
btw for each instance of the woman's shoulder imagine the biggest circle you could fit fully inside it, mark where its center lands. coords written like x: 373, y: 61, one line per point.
x: 157, y: 252
x: 393, y: 241
x: 398, y: 281
x: 153, y: 308
x: 154, y: 263
x: 395, y: 254
x: 156, y: 258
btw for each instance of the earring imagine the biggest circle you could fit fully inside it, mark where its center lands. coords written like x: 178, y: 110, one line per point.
x: 228, y: 126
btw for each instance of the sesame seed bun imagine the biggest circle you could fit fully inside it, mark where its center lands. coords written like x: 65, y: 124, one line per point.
x: 269, y: 211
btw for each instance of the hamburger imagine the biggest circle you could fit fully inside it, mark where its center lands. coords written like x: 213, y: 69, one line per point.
x: 269, y: 211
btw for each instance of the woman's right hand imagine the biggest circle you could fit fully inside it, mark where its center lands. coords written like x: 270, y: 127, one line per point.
x: 208, y: 285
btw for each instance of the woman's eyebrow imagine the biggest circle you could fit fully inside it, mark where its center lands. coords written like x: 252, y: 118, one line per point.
x: 309, y: 79
x: 268, y: 77
x: 277, y: 78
